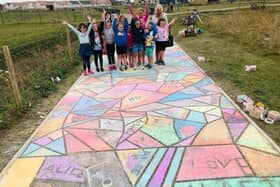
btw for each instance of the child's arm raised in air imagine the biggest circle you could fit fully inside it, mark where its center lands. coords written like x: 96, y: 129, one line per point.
x: 71, y: 27
x: 131, y: 10
x: 115, y: 24
x: 147, y: 12
x: 90, y: 21
x: 172, y: 21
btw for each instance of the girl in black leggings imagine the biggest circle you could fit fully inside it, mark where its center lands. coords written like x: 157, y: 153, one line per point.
x: 96, y: 43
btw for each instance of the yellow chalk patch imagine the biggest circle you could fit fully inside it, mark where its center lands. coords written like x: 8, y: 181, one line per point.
x: 22, y: 172
x: 49, y: 126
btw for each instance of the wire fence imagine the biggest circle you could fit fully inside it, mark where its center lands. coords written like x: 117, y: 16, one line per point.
x: 73, y: 15
x: 39, y: 16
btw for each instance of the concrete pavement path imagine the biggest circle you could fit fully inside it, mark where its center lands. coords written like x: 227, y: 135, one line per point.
x: 168, y: 126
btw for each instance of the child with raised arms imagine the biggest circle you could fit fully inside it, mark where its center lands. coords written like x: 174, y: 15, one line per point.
x: 85, y: 50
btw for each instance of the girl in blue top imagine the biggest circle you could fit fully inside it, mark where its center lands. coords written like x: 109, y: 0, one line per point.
x: 85, y: 50
x: 120, y: 31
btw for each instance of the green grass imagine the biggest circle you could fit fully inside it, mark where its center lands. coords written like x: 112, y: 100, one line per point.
x: 19, y: 34
x: 226, y: 56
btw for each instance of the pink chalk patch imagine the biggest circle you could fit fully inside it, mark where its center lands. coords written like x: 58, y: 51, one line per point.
x: 208, y: 162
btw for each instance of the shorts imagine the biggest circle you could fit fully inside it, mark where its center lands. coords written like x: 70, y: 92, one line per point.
x: 129, y: 49
x: 137, y: 48
x: 85, y: 50
x: 161, y: 45
x: 121, y: 50
x: 149, y: 51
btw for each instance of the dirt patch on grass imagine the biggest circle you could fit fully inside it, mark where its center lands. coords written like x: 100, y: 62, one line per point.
x: 12, y: 138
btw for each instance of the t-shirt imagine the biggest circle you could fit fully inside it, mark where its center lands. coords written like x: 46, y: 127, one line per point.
x: 83, y: 37
x: 149, y: 39
x: 97, y: 45
x: 109, y: 36
x: 162, y: 33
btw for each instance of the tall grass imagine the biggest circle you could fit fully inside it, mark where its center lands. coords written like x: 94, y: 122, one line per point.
x: 255, y: 28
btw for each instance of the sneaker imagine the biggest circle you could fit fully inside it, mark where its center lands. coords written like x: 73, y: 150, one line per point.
x: 149, y: 66
x: 97, y: 69
x: 85, y: 72
x: 157, y: 62
x: 90, y: 72
x: 114, y: 67
x: 143, y: 67
x: 110, y: 67
x: 161, y: 63
x: 135, y: 68
x: 102, y: 69
x: 121, y: 68
x: 125, y: 67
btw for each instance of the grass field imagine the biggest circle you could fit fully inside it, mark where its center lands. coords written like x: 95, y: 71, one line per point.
x: 229, y: 46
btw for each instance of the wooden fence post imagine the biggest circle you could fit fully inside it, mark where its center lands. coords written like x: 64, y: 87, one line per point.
x: 12, y: 75
x: 21, y: 18
x: 40, y: 17
x: 2, y: 19
x: 69, y: 44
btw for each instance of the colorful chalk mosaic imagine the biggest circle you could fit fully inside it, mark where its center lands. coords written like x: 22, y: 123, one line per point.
x: 168, y: 126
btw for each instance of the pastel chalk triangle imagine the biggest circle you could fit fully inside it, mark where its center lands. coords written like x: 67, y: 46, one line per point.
x: 43, y: 152
x: 263, y: 164
x: 201, y: 108
x: 111, y: 137
x: 73, y: 145
x: 91, y: 124
x: 90, y: 138
x: 214, y: 133
x: 211, y: 118
x: 126, y: 145
x: 192, y: 90
x: 236, y: 129
x: 57, y: 145
x: 216, y: 112
x: 136, y: 167
x: 196, y: 116
x: 32, y: 147
x: 186, y: 142
x: 252, y: 137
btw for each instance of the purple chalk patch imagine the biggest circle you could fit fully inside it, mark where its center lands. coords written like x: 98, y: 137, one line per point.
x: 43, y: 141
x: 62, y: 168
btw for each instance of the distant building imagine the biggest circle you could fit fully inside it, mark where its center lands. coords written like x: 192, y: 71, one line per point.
x: 54, y: 4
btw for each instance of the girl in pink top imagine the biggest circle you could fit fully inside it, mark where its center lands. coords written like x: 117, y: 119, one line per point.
x: 141, y: 16
x: 162, y: 38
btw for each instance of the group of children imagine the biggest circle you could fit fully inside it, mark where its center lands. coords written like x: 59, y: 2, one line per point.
x: 131, y: 42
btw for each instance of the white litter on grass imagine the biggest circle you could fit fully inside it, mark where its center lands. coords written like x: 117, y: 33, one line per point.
x: 52, y: 79
x: 201, y: 59
x: 249, y: 68
x: 57, y: 79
